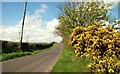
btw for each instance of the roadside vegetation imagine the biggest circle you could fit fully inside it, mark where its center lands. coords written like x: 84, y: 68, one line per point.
x: 101, y: 46
x: 92, y: 46
x: 10, y: 50
x: 68, y: 63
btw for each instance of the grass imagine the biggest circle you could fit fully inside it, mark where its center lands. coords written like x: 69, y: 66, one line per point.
x: 14, y: 55
x: 67, y: 64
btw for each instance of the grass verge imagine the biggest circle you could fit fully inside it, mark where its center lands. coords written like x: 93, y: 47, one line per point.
x: 14, y: 55
x: 66, y: 63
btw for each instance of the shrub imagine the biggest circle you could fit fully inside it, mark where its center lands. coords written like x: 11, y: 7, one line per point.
x: 9, y: 47
x: 24, y: 47
x: 101, y: 46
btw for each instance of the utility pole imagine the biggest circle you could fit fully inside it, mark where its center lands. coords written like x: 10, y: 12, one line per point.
x: 23, y: 23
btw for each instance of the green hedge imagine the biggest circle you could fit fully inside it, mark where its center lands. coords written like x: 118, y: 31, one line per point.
x: 10, y: 50
x: 9, y: 47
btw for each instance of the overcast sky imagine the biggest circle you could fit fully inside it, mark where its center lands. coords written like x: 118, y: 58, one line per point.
x: 40, y: 22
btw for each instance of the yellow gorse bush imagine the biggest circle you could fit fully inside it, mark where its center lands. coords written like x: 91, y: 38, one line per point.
x: 100, y: 45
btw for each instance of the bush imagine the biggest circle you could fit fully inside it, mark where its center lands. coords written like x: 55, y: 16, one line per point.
x: 9, y: 47
x: 24, y: 47
x: 100, y: 45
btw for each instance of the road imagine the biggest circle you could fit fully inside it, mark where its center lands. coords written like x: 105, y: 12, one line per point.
x: 42, y: 62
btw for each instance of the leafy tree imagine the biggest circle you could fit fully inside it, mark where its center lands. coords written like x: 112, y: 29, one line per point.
x: 74, y: 14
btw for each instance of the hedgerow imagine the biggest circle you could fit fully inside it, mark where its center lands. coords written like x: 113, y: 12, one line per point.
x: 101, y: 46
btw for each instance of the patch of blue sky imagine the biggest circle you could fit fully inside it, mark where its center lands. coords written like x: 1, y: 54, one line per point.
x: 114, y: 12
x: 52, y: 12
x: 0, y: 13
x: 12, y: 12
x: 40, y: 0
x: 119, y: 10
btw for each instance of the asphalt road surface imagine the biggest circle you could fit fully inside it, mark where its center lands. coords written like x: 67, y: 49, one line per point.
x: 42, y: 62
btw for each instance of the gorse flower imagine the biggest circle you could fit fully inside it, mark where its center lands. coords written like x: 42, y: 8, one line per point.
x: 111, y: 71
x: 103, y: 44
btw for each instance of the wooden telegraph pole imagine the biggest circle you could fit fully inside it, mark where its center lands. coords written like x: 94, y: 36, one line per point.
x: 23, y: 23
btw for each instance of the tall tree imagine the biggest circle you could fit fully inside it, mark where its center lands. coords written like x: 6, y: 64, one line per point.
x: 23, y: 23
x: 74, y: 14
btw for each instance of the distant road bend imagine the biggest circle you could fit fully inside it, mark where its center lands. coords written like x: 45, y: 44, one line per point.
x: 42, y: 62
